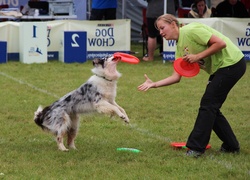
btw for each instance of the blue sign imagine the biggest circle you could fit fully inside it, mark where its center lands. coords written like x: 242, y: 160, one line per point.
x: 75, y: 46
x: 3, y: 51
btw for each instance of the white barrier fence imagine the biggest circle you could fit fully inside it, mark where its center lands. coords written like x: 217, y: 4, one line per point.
x: 103, y: 37
x: 106, y: 37
x: 237, y: 29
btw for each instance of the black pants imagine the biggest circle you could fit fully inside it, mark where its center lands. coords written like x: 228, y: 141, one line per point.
x: 103, y: 14
x: 209, y: 117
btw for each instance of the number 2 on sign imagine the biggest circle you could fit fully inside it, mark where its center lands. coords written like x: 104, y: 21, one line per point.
x: 74, y: 43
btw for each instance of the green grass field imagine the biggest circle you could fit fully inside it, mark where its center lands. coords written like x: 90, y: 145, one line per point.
x: 158, y: 117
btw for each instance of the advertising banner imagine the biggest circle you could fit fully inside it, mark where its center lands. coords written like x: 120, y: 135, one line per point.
x: 238, y: 30
x: 103, y: 37
x: 239, y: 33
x: 106, y: 37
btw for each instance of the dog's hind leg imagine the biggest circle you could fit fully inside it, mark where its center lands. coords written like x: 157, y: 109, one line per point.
x: 72, y: 132
x: 64, y: 125
x: 59, y: 140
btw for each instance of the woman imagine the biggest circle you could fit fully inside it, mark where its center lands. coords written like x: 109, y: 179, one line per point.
x: 199, y: 9
x: 225, y: 64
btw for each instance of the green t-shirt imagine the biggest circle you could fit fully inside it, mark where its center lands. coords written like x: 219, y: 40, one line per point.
x: 193, y: 39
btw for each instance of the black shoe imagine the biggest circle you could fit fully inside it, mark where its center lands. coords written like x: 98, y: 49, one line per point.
x: 234, y: 151
x: 192, y: 153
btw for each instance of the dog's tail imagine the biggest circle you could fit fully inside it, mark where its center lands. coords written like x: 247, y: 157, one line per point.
x: 38, y: 117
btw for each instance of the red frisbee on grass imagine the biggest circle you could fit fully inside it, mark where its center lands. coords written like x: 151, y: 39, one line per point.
x: 183, y: 145
x: 185, y: 68
x: 127, y: 58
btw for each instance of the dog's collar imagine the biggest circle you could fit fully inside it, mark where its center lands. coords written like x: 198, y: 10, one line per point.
x: 103, y: 77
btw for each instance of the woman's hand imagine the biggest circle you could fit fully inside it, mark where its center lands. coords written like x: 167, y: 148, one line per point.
x: 146, y: 85
x: 191, y: 58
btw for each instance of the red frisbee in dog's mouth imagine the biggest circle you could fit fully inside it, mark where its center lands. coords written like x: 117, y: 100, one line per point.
x: 185, y: 68
x: 183, y: 145
x: 127, y: 58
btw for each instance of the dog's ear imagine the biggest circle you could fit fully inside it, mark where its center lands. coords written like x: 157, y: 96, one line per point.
x: 97, y: 61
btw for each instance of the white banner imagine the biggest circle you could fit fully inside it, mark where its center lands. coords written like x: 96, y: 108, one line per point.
x: 103, y: 37
x: 237, y: 29
x: 238, y: 32
x: 9, y: 32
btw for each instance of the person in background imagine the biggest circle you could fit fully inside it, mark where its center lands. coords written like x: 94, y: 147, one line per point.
x: 214, y: 3
x: 26, y: 10
x: 231, y: 8
x: 103, y: 10
x: 247, y: 5
x: 199, y: 9
x: 222, y: 60
x: 155, y: 8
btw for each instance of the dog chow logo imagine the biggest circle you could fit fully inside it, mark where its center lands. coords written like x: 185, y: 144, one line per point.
x: 104, y: 36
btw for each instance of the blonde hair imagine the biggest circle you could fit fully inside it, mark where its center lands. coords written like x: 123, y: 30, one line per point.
x: 169, y: 18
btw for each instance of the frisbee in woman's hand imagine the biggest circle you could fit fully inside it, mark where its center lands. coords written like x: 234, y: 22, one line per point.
x: 127, y: 58
x: 185, y: 68
x: 183, y: 145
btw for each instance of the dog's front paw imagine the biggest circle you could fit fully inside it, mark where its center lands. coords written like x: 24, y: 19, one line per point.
x: 126, y: 119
